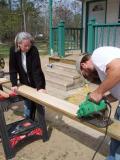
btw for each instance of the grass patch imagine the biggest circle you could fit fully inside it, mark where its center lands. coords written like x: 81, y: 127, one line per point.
x: 4, y: 50
x: 41, y: 45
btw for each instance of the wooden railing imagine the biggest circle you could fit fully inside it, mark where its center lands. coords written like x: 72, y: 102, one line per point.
x: 65, y: 39
x: 73, y: 38
x: 102, y: 35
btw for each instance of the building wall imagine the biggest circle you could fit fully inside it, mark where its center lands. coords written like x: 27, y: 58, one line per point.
x: 96, y: 15
x: 112, y: 14
x: 97, y: 11
x: 112, y: 11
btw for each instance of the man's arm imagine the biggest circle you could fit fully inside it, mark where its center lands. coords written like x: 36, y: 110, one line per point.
x: 112, y: 78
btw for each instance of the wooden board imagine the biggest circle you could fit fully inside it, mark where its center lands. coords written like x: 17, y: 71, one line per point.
x: 65, y: 108
x: 3, y: 80
x: 4, y: 94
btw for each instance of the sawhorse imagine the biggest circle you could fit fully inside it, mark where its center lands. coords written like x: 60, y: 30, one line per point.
x: 7, y: 132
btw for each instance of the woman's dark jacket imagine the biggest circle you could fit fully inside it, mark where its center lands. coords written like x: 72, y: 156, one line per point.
x: 34, y: 76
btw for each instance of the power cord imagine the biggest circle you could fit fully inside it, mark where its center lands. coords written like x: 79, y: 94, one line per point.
x: 108, y: 103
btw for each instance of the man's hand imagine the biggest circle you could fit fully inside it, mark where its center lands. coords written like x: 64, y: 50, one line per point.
x: 95, y: 96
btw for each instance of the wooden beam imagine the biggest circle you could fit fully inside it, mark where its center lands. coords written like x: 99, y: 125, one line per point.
x: 3, y: 94
x: 65, y: 108
x: 4, y: 80
x: 8, y: 91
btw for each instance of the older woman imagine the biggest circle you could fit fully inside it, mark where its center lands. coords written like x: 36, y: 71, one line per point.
x: 24, y: 61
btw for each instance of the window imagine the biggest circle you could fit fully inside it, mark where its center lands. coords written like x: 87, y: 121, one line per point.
x: 98, y: 8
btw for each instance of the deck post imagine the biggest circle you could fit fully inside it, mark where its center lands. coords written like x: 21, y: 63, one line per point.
x: 91, y: 37
x: 61, y: 39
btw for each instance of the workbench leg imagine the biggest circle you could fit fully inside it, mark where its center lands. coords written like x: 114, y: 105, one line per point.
x: 42, y: 122
x: 4, y: 137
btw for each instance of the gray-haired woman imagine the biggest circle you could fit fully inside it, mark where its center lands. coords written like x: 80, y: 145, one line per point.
x: 24, y: 61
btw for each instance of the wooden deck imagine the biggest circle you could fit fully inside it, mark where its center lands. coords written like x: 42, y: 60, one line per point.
x: 69, y: 58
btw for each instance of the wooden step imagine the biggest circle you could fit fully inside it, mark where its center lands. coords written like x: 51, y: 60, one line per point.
x: 64, y: 67
x: 61, y: 84
x: 62, y: 78
x: 55, y: 79
x: 60, y: 74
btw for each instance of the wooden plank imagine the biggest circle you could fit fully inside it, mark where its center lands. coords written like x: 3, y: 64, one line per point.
x: 3, y: 94
x: 4, y: 80
x: 65, y: 108
x: 8, y: 91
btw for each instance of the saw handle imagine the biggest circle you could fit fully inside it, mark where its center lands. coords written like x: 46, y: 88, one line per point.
x: 87, y: 97
x: 104, y: 99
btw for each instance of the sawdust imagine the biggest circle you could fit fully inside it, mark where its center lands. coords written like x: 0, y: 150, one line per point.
x: 80, y: 96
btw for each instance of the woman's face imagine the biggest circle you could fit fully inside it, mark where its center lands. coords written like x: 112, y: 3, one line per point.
x: 25, y: 45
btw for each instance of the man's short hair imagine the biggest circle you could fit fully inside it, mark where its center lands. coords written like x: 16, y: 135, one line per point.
x: 93, y: 76
x: 81, y: 60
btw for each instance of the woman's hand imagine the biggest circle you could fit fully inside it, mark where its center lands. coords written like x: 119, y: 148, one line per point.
x: 14, y: 88
x: 42, y: 91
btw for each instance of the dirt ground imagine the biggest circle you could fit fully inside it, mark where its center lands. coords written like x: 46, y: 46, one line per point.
x: 69, y: 140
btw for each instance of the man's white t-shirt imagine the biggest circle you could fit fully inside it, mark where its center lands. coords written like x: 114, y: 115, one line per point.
x: 103, y: 56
